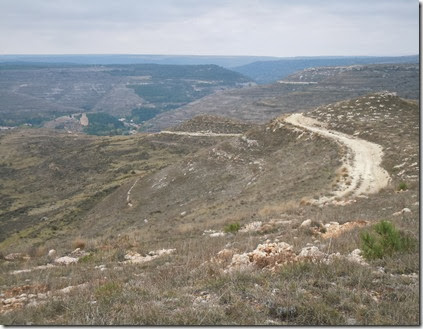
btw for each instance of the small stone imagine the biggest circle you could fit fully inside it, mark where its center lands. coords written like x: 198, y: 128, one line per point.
x: 306, y: 223
x: 77, y: 250
x: 402, y: 212
x: 52, y: 253
x: 217, y: 234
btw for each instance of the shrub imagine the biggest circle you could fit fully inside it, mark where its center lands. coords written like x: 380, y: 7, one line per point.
x: 86, y: 259
x: 232, y: 228
x: 385, y: 242
x: 78, y: 243
x: 402, y: 186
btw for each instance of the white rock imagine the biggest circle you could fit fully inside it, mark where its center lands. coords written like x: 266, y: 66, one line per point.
x: 100, y: 267
x: 355, y: 256
x: 77, y: 250
x: 9, y: 301
x: 66, y: 260
x: 306, y: 223
x: 217, y: 234
x: 312, y: 253
x: 21, y: 271
x: 16, y: 256
x: 253, y: 226
x: 402, y: 212
x: 52, y: 253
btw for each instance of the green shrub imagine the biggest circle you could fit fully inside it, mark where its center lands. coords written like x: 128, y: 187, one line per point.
x: 86, y: 259
x: 232, y: 228
x: 385, y: 241
x: 402, y: 186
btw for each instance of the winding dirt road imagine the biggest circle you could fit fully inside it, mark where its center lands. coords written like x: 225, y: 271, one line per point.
x: 362, y: 163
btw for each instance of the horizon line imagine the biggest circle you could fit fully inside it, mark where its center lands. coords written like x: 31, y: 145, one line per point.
x: 196, y: 55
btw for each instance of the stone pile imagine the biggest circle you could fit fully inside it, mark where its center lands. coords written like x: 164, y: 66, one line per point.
x: 272, y: 255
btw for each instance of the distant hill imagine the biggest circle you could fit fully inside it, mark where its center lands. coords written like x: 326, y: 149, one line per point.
x: 271, y: 71
x: 225, y: 61
x: 36, y: 93
x: 301, y: 91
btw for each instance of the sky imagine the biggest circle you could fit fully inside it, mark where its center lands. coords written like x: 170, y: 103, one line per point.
x: 281, y: 28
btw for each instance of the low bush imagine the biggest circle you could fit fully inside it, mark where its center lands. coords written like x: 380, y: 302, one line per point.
x: 78, y: 243
x: 232, y: 228
x: 402, y: 186
x: 384, y: 241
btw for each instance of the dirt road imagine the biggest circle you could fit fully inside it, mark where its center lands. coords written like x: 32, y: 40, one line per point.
x: 199, y: 134
x: 362, y: 163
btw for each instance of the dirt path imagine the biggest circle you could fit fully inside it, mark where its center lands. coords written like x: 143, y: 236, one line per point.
x: 128, y: 194
x: 362, y: 163
x: 198, y: 134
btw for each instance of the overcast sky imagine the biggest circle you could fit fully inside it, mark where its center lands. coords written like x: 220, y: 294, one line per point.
x: 210, y: 27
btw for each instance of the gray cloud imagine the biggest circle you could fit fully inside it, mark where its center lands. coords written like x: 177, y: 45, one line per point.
x: 220, y: 27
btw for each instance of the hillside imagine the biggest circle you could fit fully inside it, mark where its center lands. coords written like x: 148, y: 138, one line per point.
x: 225, y: 224
x: 36, y: 93
x: 301, y: 91
x: 270, y: 71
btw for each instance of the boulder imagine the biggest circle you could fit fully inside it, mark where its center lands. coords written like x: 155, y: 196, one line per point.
x: 66, y: 260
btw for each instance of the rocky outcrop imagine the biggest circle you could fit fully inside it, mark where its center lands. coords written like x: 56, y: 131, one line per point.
x: 273, y: 255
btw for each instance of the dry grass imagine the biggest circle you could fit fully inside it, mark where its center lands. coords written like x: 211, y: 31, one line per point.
x: 271, y: 211
x: 185, y: 288
x: 79, y: 243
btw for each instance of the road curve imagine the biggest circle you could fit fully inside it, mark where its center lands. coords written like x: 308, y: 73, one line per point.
x: 362, y: 163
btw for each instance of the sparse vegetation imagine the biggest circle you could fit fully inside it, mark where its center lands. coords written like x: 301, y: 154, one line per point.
x: 402, y: 186
x: 183, y: 189
x: 232, y: 228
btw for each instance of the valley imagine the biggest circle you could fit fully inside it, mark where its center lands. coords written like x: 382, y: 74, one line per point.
x: 250, y: 205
